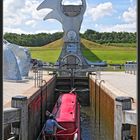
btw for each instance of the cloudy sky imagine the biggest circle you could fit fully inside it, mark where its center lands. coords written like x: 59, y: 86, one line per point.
x: 21, y: 16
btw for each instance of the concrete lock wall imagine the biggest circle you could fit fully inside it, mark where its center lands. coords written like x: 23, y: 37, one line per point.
x: 27, y: 113
x: 108, y: 113
x: 103, y: 109
x: 37, y: 107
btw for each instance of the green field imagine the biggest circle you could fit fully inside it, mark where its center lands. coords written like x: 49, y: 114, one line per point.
x: 112, y: 54
x: 47, y: 53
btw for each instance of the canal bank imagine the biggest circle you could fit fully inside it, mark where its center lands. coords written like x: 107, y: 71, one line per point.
x: 114, y: 108
x: 103, y: 119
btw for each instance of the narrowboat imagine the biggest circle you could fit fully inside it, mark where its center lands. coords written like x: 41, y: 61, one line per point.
x: 67, y: 114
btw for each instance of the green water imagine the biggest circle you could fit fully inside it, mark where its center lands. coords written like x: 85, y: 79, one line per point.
x: 92, y: 128
x: 87, y: 124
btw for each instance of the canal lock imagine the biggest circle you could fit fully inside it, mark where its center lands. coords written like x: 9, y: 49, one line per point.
x: 81, y: 84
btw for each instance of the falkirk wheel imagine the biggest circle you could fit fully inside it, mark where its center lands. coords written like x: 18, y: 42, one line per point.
x: 70, y: 16
x: 16, y: 62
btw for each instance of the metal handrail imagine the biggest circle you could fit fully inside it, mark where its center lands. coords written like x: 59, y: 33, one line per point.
x: 100, y: 103
x: 130, y: 68
x: 38, y: 76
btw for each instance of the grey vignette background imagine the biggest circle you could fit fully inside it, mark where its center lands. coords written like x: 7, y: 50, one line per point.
x: 138, y: 69
x: 1, y: 89
x: 1, y: 96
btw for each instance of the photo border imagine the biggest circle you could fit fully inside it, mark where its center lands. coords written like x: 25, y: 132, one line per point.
x: 1, y: 75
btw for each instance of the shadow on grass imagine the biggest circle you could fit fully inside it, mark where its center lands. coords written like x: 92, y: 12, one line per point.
x: 88, y: 54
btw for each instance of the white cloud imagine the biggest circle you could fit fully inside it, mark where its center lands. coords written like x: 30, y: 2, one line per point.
x: 20, y: 13
x: 31, y: 23
x: 129, y: 16
x: 12, y: 21
x: 101, y: 10
x: 13, y: 5
x: 31, y: 8
x: 128, y: 27
x: 11, y: 12
x: 15, y: 30
x: 20, y: 31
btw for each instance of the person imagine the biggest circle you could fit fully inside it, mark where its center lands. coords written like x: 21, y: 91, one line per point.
x: 47, y: 114
x: 51, y: 126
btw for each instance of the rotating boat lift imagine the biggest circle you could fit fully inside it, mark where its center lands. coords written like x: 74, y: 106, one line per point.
x: 71, y: 59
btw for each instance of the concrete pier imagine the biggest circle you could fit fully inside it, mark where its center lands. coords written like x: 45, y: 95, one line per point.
x: 25, y: 104
x: 113, y: 99
x: 125, y: 82
x: 14, y: 88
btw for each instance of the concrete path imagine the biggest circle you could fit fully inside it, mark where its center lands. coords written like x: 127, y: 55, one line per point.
x: 124, y: 82
x: 13, y: 88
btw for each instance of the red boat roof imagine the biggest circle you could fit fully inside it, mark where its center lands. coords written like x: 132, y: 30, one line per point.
x: 65, y: 108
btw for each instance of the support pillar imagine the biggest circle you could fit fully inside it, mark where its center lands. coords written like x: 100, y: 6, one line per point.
x: 21, y: 102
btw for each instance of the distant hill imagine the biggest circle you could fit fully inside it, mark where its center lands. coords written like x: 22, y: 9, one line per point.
x: 88, y: 44
x: 59, y: 43
x: 92, y: 45
x: 92, y: 51
x: 54, y: 45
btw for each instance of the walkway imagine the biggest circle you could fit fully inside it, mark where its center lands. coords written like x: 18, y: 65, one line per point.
x: 11, y: 89
x: 124, y: 82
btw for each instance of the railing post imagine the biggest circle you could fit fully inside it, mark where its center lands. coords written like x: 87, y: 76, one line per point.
x: 135, y: 69
x: 125, y: 104
x: 118, y: 121
x: 131, y: 69
x: 127, y: 69
x: 21, y: 102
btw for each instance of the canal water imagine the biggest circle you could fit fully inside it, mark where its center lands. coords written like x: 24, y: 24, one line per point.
x: 91, y: 127
x: 87, y: 124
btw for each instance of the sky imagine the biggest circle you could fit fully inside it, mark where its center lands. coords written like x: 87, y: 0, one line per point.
x: 21, y: 16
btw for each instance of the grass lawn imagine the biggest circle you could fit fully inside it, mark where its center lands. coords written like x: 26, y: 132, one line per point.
x: 46, y: 55
x: 110, y: 54
x: 92, y: 51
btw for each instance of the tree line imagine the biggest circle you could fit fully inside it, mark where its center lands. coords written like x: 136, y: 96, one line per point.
x: 41, y: 39
x: 109, y: 37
